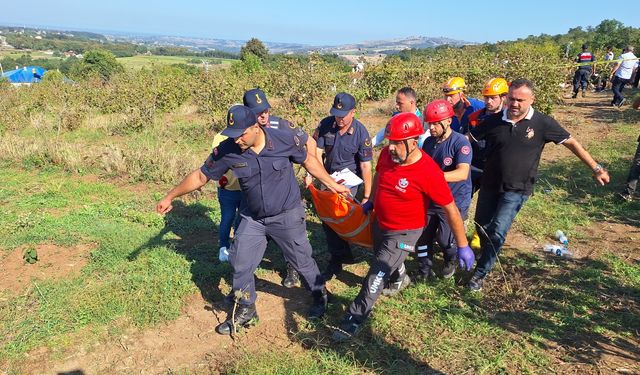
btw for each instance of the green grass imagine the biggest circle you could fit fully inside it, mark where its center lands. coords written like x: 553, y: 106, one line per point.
x: 133, y: 274
x: 566, y: 195
x: 140, y: 61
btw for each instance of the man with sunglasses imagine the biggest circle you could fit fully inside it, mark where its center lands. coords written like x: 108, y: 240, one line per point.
x: 463, y: 106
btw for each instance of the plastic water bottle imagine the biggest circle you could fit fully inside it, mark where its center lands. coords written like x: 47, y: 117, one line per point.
x: 558, y: 250
x: 562, y: 238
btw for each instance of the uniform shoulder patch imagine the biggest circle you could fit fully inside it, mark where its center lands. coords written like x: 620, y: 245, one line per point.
x: 466, y: 150
x: 367, y: 142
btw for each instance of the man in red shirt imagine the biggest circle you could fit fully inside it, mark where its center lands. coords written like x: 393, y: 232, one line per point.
x: 406, y: 182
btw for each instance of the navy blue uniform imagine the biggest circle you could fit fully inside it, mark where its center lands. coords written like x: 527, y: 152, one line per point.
x: 342, y: 151
x: 279, y: 216
x: 581, y: 77
x: 452, y: 151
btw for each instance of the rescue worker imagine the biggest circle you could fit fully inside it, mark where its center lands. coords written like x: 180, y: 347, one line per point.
x: 343, y: 142
x: 405, y: 102
x: 261, y: 159
x: 581, y: 77
x: 451, y: 151
x: 516, y: 138
x: 463, y: 106
x: 495, y: 94
x: 257, y: 101
x: 406, y: 182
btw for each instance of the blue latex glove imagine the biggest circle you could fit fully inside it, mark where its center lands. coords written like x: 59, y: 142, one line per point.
x: 466, y: 257
x: 367, y: 206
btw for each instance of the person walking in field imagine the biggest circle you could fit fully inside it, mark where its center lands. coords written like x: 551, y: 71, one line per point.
x: 516, y: 138
x: 405, y: 184
x: 261, y: 158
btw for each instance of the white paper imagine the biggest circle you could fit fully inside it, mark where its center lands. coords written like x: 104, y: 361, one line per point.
x: 346, y: 178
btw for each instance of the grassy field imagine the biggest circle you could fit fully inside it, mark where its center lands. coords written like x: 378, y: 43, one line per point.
x: 139, y: 272
x: 137, y: 62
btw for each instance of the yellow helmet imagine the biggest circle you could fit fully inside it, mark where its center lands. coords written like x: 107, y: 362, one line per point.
x: 495, y: 86
x: 453, y: 86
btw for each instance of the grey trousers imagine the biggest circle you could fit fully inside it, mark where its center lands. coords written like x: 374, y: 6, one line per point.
x: 289, y: 231
x: 391, y: 248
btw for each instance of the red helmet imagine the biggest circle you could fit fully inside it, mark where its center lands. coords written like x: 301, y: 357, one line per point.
x: 438, y: 110
x: 404, y: 126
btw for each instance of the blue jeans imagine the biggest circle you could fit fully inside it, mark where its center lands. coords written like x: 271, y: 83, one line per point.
x: 617, y: 85
x: 229, y: 203
x: 494, y: 214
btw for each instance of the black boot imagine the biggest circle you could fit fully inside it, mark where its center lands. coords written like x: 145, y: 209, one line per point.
x: 293, y: 277
x: 245, y: 316
x: 319, y: 306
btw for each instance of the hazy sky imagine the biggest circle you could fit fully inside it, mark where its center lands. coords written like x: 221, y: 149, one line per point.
x: 323, y: 22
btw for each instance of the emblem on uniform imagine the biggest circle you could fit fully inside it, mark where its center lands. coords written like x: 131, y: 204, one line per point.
x: 231, y: 122
x: 403, y: 183
x: 258, y: 100
x: 367, y: 142
x: 465, y: 150
x: 447, y: 161
x: 530, y: 133
x: 296, y: 140
x: 292, y: 125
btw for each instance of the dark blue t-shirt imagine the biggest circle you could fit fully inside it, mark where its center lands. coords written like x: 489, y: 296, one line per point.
x: 260, y: 175
x: 453, y: 151
x: 343, y: 151
x: 456, y: 124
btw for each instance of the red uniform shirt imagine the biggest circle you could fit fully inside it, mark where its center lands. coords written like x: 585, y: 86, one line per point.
x: 404, y: 193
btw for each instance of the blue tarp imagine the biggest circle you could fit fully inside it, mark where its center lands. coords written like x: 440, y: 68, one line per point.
x: 28, y: 74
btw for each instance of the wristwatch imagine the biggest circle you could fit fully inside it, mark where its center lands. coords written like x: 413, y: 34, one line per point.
x: 597, y: 168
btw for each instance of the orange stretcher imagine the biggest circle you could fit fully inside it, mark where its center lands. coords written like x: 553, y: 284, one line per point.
x: 344, y: 216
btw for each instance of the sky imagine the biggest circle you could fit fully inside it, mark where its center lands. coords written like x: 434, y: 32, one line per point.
x: 323, y: 22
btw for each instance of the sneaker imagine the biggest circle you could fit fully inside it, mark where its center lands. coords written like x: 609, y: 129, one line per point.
x: 245, y: 316
x: 621, y: 102
x: 475, y: 242
x: 575, y: 95
x: 348, y: 328
x: 319, y: 306
x: 293, y: 277
x: 395, y: 287
x: 223, y: 254
x: 449, y: 268
x: 333, y: 269
x: 475, y: 284
x: 584, y: 93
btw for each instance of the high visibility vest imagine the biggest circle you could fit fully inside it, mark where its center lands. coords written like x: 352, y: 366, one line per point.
x: 344, y: 216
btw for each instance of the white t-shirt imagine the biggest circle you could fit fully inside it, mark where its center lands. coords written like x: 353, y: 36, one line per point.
x: 626, y: 67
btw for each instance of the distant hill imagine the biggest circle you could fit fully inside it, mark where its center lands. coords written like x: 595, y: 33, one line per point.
x: 233, y: 46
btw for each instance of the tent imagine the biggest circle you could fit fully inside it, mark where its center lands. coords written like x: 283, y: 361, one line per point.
x: 28, y: 74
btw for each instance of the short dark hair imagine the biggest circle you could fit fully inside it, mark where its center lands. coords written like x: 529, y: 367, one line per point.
x: 408, y: 92
x: 516, y: 84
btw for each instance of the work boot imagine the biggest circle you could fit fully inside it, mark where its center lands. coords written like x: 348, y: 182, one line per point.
x: 333, y: 269
x: 475, y: 284
x: 245, y: 316
x: 424, y: 275
x: 449, y: 268
x: 319, y: 306
x: 347, y: 329
x: 575, y: 95
x: 293, y: 277
x: 395, y: 287
x: 584, y: 93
